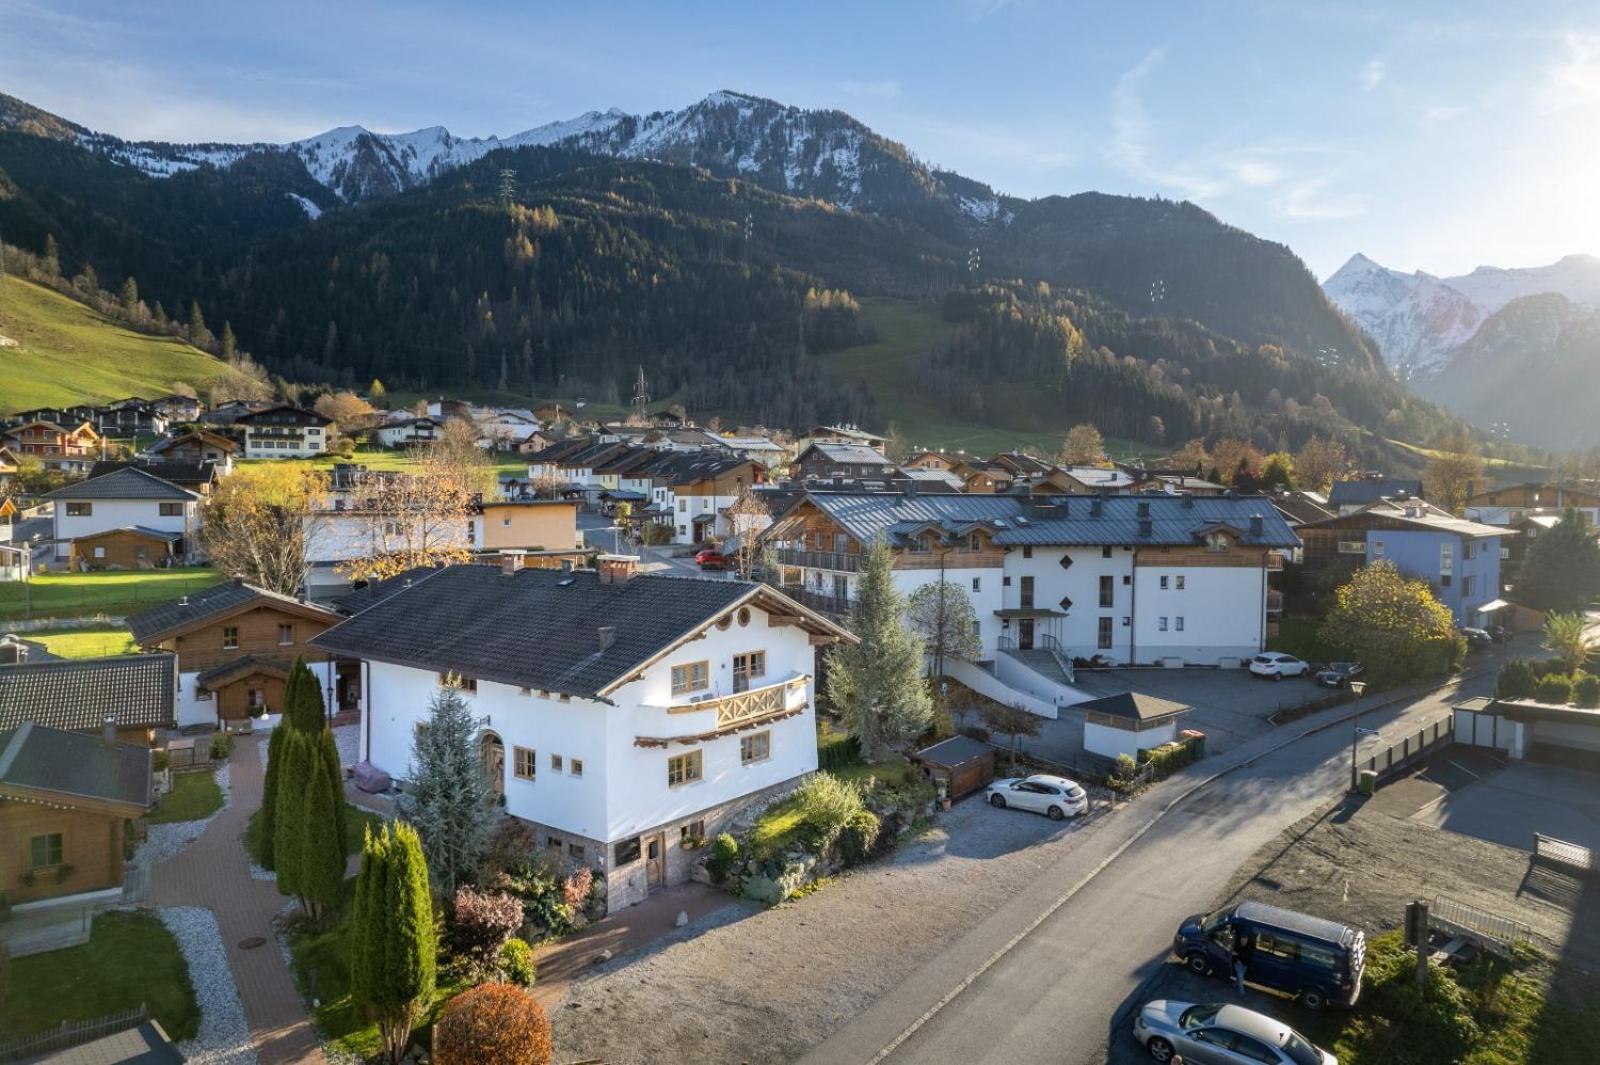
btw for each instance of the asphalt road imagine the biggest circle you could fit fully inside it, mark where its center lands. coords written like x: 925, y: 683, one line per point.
x: 1032, y: 984
x: 600, y: 533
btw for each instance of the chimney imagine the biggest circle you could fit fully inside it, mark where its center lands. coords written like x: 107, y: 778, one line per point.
x: 510, y: 562
x: 608, y: 636
x: 1258, y: 525
x: 617, y: 569
x: 1146, y: 528
x: 108, y: 732
x: 183, y: 601
x: 566, y: 565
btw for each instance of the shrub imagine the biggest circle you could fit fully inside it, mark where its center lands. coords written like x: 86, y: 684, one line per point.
x: 724, y: 852
x: 1169, y: 758
x: 826, y: 804
x: 837, y: 750
x: 1413, y: 1026
x: 516, y: 962
x: 499, y: 1023
x: 575, y: 887
x: 221, y: 745
x: 482, y: 924
x: 859, y: 837
x: 1515, y: 681
x: 1586, y: 691
x: 1126, y: 766
x: 159, y: 761
x: 1555, y: 688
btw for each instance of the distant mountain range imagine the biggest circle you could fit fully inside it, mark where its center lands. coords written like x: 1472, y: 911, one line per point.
x: 1497, y: 345
x: 686, y: 242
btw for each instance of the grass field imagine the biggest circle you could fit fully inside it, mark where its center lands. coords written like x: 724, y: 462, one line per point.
x: 69, y: 353
x: 130, y: 959
x: 906, y: 331
x: 194, y: 795
x: 504, y: 463
x: 86, y: 643
x: 105, y: 592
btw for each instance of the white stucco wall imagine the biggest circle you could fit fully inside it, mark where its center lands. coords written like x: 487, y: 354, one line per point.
x: 1109, y: 742
x: 116, y: 514
x: 1223, y: 610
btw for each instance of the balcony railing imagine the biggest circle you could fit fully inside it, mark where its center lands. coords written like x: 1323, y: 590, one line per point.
x: 746, y: 705
x: 836, y: 606
x: 833, y: 560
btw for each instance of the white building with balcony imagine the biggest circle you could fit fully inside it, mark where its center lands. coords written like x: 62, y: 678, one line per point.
x: 625, y: 718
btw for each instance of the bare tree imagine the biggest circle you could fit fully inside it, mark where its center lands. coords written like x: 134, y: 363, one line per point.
x: 747, y: 517
x: 1013, y: 721
x: 1082, y: 446
x: 1453, y: 472
x: 257, y: 521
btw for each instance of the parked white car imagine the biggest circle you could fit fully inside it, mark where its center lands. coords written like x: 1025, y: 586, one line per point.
x: 1056, y: 797
x: 1222, y: 1035
x: 1277, y: 665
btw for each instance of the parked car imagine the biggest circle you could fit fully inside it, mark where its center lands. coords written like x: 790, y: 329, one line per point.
x: 1316, y: 960
x: 712, y: 558
x: 1498, y: 633
x: 1056, y: 797
x: 1338, y: 674
x: 1477, y: 639
x: 1222, y: 1035
x: 1278, y: 665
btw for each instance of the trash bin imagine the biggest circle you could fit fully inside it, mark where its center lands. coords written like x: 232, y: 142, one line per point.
x: 1196, y: 740
x: 1367, y: 782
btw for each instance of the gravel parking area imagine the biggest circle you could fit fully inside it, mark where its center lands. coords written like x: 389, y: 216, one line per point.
x: 752, y: 985
x: 224, y: 1037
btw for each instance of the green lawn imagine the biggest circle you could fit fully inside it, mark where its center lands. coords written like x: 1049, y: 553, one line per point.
x: 86, y: 643
x: 63, y: 594
x: 503, y: 463
x: 130, y: 959
x: 357, y: 821
x: 194, y: 795
x: 69, y: 353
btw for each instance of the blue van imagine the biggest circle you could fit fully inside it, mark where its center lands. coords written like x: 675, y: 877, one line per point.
x: 1315, y: 960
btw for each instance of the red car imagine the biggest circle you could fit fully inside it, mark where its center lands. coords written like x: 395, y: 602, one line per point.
x: 712, y: 558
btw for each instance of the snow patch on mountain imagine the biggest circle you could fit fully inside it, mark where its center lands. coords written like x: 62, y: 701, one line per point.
x: 1419, y: 320
x: 312, y: 211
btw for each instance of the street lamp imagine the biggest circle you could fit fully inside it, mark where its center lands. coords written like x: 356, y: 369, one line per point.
x: 1356, y: 686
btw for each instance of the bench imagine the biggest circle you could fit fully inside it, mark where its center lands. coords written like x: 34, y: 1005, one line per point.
x: 1552, y: 851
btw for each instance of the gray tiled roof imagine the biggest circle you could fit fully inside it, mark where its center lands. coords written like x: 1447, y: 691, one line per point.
x: 359, y: 599
x: 1135, y: 706
x: 1060, y: 520
x: 196, y: 606
x: 139, y: 691
x: 536, y: 628
x: 129, y: 482
x: 178, y: 473
x: 74, y: 763
x: 1370, y: 490
x: 857, y: 454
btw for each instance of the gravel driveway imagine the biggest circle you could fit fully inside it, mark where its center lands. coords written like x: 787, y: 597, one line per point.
x: 753, y: 985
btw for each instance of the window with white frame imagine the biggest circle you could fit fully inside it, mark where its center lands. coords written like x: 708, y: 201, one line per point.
x: 1352, y: 547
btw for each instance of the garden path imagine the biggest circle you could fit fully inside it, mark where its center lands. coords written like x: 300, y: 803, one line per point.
x: 213, y: 872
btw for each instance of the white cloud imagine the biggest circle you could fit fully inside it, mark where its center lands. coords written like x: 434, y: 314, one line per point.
x: 1443, y: 112
x: 1132, y: 150
x: 1371, y: 75
x: 1574, y: 79
x: 886, y: 89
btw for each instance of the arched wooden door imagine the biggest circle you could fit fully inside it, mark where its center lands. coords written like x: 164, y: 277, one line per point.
x: 494, y: 762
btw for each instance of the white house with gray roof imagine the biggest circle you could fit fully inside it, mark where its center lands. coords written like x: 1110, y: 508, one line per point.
x: 626, y: 718
x: 128, y: 498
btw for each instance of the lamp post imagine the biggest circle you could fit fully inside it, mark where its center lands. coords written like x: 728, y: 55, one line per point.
x: 1356, y: 686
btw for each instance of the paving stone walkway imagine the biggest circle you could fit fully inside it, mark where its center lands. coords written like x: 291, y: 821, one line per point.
x: 213, y: 872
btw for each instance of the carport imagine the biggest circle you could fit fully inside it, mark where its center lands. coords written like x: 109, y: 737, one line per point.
x: 962, y: 763
x: 1129, y: 723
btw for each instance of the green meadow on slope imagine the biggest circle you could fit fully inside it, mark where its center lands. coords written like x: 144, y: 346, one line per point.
x: 69, y: 353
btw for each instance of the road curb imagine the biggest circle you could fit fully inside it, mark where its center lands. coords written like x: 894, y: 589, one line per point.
x: 1120, y: 1016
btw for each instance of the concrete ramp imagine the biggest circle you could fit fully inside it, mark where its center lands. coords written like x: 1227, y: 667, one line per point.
x: 1039, y: 696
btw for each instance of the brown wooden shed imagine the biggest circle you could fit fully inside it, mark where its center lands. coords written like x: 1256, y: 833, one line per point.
x: 963, y: 763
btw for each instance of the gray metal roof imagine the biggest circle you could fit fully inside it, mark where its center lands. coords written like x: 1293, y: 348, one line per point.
x: 1371, y: 489
x: 139, y: 691
x: 1060, y: 520
x: 954, y: 751
x: 74, y: 763
x: 210, y: 602
x: 1135, y: 706
x: 130, y: 482
x: 858, y: 454
x: 537, y: 628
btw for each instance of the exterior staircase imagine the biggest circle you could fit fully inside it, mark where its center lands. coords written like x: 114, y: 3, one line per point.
x: 1044, y: 662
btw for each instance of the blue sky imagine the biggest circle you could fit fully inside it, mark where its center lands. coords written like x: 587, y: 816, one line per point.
x: 1431, y: 136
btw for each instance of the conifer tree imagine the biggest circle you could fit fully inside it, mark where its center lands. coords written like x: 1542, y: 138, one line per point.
x: 1561, y: 571
x: 288, y: 835
x: 393, y: 941
x: 199, y: 335
x: 448, y: 800
x: 329, y: 752
x: 269, y: 798
x: 230, y: 346
x: 877, y: 684
x: 321, y: 873
x: 130, y: 294
x: 302, y: 700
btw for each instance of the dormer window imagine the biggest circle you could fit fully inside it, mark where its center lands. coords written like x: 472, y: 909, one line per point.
x: 1216, y: 541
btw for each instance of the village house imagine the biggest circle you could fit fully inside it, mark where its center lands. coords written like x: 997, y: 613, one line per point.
x: 178, y: 408
x: 65, y: 798
x: 136, y: 693
x: 841, y: 434
x: 626, y: 718
x: 57, y: 447
x: 825, y: 461
x: 1347, y: 497
x: 696, y: 489
x: 1504, y: 506
x: 1459, y: 558
x: 234, y: 644
x: 528, y: 525
x: 198, y: 477
x: 408, y: 432
x: 126, y: 519
x: 200, y: 445
x: 283, y: 432
x: 1132, y: 580
x: 130, y: 417
x: 352, y: 530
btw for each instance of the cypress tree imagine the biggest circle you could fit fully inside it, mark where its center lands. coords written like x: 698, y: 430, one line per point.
x: 321, y: 873
x: 288, y: 830
x: 877, y: 684
x: 269, y: 797
x: 393, y: 941
x: 328, y: 751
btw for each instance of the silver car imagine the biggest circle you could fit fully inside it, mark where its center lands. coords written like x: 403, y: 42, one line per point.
x: 1212, y: 1034
x: 1056, y: 797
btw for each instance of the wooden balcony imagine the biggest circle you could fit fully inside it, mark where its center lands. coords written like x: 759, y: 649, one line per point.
x: 839, y: 561
x: 736, y: 712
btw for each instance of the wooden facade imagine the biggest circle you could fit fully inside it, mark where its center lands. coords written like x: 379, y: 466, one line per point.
x: 121, y: 549
x: 91, y: 849
x: 1199, y: 556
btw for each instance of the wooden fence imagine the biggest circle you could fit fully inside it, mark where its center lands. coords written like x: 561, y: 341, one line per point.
x: 72, y: 1033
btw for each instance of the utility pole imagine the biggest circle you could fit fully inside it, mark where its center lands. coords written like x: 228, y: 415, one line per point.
x: 1356, y: 686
